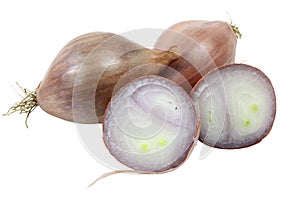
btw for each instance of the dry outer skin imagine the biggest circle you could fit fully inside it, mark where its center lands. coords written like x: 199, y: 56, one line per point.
x: 68, y: 94
x: 202, y: 45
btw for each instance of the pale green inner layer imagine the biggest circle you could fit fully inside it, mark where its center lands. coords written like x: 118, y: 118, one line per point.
x: 244, y: 108
x: 153, y: 144
x: 155, y: 141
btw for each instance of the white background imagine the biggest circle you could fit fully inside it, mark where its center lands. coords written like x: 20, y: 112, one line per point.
x: 48, y: 161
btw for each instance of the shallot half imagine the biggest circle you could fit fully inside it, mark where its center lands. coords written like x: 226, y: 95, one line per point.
x: 151, y: 125
x: 236, y: 104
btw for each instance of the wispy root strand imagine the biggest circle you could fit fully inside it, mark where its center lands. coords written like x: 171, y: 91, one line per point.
x: 119, y: 172
x: 26, y: 105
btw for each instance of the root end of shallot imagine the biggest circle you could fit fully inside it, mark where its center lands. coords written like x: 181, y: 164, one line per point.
x: 26, y: 105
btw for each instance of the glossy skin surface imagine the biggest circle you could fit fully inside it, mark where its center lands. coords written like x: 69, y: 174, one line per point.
x: 83, y: 76
x: 202, y: 45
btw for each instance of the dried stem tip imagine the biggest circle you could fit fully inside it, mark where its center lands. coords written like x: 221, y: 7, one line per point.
x: 236, y: 30
x: 26, y: 105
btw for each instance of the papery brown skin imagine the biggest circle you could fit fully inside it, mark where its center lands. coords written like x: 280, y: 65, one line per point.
x: 56, y: 92
x: 202, y: 45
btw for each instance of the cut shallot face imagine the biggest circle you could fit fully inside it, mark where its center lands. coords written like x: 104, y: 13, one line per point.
x: 237, y: 104
x: 150, y: 125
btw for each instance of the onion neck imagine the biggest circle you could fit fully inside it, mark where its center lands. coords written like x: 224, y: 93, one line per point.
x: 166, y: 57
